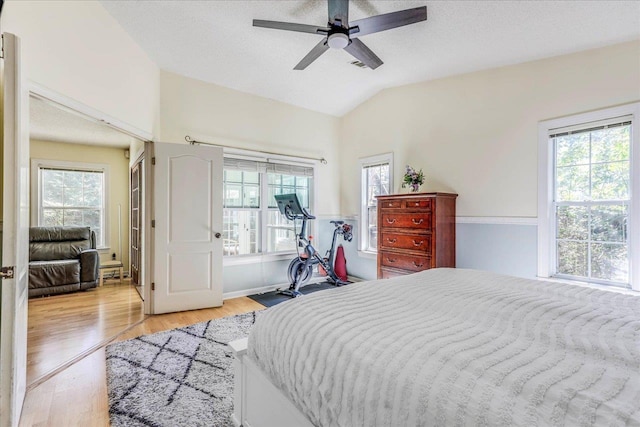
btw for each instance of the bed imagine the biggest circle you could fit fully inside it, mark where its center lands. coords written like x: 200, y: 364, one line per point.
x: 448, y: 347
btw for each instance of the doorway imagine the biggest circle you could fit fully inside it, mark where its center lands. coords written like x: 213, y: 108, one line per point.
x: 64, y: 328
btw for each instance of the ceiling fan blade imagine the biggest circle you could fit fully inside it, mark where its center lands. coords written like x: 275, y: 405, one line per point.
x: 339, y: 10
x: 301, y: 28
x: 387, y: 21
x: 362, y: 53
x: 315, y: 53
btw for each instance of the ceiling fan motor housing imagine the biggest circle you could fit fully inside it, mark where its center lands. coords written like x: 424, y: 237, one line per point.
x: 338, y: 40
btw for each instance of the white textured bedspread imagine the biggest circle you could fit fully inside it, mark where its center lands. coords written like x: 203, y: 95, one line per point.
x: 449, y: 347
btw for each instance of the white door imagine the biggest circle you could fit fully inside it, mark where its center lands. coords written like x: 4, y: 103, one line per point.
x: 15, y: 234
x: 187, y: 209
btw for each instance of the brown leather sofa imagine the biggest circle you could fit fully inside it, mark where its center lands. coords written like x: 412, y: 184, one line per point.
x: 62, y: 259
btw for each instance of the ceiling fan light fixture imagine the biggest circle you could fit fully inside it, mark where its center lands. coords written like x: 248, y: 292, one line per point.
x: 338, y: 41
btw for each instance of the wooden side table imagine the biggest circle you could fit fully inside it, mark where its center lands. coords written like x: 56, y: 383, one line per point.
x: 111, y: 265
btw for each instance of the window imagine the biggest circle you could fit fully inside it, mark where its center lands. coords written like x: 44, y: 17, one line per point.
x: 70, y: 194
x: 591, y: 197
x: 377, y: 180
x: 252, y: 223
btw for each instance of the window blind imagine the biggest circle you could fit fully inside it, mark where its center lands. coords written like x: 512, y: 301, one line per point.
x: 271, y: 166
x: 70, y: 169
x: 375, y: 165
x: 590, y: 127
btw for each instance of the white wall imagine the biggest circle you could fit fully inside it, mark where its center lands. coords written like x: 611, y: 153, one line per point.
x: 476, y: 134
x: 76, y: 48
x: 224, y: 116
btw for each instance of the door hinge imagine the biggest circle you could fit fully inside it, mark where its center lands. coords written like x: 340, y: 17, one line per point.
x: 153, y: 286
x: 7, y: 272
x: 153, y: 223
x: 153, y: 160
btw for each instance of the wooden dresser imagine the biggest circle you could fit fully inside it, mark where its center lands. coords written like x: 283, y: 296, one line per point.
x: 416, y: 231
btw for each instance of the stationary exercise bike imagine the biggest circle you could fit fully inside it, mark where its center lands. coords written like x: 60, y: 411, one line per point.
x: 301, y: 267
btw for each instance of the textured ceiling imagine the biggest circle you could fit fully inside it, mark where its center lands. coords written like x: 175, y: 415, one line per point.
x: 215, y: 41
x: 50, y: 122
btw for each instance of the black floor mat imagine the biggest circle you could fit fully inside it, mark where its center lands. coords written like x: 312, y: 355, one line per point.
x: 269, y: 299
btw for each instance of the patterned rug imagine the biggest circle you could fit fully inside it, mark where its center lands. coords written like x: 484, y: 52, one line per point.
x: 181, y: 377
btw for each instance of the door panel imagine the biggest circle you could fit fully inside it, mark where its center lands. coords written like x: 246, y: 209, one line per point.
x: 190, y: 181
x: 136, y: 221
x: 187, y: 203
x: 15, y: 233
x: 198, y: 264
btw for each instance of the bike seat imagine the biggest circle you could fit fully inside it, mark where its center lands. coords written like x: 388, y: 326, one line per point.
x: 337, y: 222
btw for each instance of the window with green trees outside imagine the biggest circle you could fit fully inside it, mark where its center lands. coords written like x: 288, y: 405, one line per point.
x: 591, y: 203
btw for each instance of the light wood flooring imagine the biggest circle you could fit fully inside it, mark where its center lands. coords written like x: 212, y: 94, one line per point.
x: 77, y: 395
x: 63, y: 327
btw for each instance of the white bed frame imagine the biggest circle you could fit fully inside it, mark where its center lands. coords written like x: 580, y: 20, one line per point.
x: 256, y: 401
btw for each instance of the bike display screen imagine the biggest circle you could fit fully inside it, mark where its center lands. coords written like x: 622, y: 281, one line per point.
x: 289, y: 204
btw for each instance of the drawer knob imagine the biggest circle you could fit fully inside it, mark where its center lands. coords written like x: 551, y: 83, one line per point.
x: 390, y: 205
x: 418, y: 243
x: 391, y: 220
x: 390, y: 260
x: 418, y: 265
x: 391, y: 240
x: 417, y: 221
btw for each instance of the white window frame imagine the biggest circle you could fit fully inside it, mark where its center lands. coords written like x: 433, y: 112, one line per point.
x: 364, y: 231
x: 36, y: 186
x: 546, y: 166
x: 264, y: 192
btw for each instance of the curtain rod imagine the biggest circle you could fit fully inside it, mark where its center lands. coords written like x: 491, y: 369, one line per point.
x: 193, y: 142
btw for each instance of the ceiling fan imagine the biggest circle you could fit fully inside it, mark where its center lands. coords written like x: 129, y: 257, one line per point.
x: 341, y: 34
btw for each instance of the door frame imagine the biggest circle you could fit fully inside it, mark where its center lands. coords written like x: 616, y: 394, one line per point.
x: 75, y: 107
x: 147, y: 245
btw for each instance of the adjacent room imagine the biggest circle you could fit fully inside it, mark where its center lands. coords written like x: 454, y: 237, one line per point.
x: 320, y: 213
x: 79, y: 178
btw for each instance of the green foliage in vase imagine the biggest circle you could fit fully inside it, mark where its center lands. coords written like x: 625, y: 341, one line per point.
x: 412, y: 178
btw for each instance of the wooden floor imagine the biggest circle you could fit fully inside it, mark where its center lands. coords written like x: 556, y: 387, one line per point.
x: 77, y: 395
x: 62, y: 327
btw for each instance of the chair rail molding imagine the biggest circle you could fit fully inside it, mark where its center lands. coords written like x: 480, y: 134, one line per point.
x: 497, y: 220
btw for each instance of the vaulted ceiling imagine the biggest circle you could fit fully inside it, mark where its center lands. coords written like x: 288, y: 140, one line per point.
x: 215, y: 41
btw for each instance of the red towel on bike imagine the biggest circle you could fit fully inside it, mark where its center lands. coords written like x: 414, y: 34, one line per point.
x: 340, y: 266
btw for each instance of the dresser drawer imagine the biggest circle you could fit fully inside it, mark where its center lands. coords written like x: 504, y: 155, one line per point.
x: 420, y: 220
x: 390, y: 204
x: 417, y: 203
x: 405, y: 262
x: 389, y: 273
x: 419, y: 242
